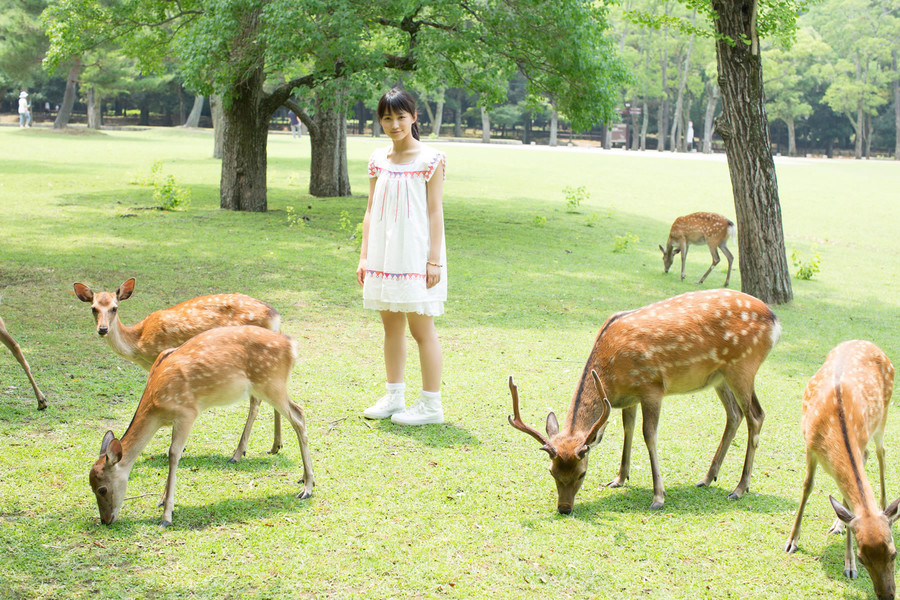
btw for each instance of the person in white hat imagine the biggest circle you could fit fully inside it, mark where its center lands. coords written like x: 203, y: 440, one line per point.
x: 24, y: 110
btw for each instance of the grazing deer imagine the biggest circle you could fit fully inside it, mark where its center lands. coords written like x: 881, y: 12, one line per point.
x: 681, y: 345
x: 215, y: 368
x: 10, y: 343
x: 171, y: 327
x: 845, y: 404
x: 699, y: 228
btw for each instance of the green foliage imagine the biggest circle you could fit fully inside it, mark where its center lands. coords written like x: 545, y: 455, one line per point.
x: 539, y: 220
x: 170, y: 195
x: 293, y: 218
x: 575, y: 196
x: 806, y: 269
x: 622, y: 243
x: 592, y: 220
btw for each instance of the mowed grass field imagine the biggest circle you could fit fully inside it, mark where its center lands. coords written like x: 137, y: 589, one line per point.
x: 462, y: 510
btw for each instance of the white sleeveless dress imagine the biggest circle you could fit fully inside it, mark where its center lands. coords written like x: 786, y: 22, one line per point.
x: 399, y: 236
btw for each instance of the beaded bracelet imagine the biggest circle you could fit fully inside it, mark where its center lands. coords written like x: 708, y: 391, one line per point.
x: 433, y: 264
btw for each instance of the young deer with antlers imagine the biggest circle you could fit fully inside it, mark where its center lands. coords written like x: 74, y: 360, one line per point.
x: 171, y: 327
x: 845, y: 405
x: 215, y: 368
x: 10, y: 343
x: 699, y: 228
x: 713, y: 338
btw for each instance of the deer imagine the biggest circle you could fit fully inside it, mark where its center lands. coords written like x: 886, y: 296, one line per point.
x: 218, y: 367
x: 699, y: 228
x: 170, y: 327
x: 681, y: 345
x: 10, y: 343
x: 845, y: 405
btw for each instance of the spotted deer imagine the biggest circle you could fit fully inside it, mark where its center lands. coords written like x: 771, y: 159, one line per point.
x: 715, y: 338
x: 10, y: 343
x: 215, y: 368
x: 699, y: 228
x: 845, y: 405
x: 167, y: 328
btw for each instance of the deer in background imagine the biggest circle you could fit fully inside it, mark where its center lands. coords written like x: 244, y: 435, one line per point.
x: 698, y: 228
x: 171, y: 327
x: 845, y: 405
x: 215, y: 368
x: 681, y: 345
x: 10, y: 343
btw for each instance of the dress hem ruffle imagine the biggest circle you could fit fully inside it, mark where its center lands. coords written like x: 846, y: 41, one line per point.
x: 428, y: 309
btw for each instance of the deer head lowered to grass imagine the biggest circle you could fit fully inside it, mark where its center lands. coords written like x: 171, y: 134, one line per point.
x: 167, y: 328
x: 845, y: 405
x: 215, y: 368
x: 715, y: 338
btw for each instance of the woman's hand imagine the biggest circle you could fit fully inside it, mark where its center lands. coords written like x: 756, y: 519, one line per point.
x: 361, y: 271
x: 432, y: 275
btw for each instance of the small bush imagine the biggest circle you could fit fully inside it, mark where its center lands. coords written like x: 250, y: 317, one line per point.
x: 294, y: 219
x: 592, y: 220
x: 539, y: 220
x: 170, y: 195
x: 622, y: 243
x: 575, y: 196
x: 805, y: 269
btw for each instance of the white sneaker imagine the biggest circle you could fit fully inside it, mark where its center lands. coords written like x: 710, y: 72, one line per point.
x: 422, y: 412
x: 386, y: 406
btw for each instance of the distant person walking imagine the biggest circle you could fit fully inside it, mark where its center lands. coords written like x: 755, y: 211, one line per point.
x: 295, y: 124
x: 24, y: 110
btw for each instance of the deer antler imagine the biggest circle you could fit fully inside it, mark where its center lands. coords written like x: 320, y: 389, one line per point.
x: 607, y: 409
x: 521, y: 426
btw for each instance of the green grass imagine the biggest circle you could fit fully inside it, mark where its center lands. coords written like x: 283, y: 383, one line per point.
x: 463, y: 510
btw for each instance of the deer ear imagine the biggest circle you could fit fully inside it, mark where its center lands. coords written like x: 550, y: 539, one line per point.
x: 661, y: 249
x: 892, y: 512
x: 676, y: 251
x: 552, y: 425
x: 113, y: 453
x: 125, y: 290
x: 842, y: 513
x: 84, y: 293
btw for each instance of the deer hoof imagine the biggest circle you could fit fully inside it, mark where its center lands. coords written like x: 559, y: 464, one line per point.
x: 851, y: 573
x: 165, y: 523
x: 275, y: 449
x: 304, y: 495
x: 657, y: 505
x: 791, y: 546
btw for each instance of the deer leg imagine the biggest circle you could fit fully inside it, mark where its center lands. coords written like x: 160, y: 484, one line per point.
x: 755, y: 415
x: 276, y: 439
x: 180, y: 431
x: 879, y: 452
x: 808, y: 482
x: 241, y: 449
x: 733, y: 418
x: 851, y: 571
x: 650, y: 408
x: 10, y: 343
x: 684, y: 249
x: 715, y: 261
x: 629, y: 415
x: 295, y: 415
x: 730, y: 258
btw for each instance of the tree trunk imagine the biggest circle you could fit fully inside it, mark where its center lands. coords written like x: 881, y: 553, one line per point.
x: 246, y: 130
x: 485, y: 126
x: 894, y: 55
x: 712, y: 100
x: 744, y: 128
x: 93, y: 108
x: 328, y: 173
x: 218, y: 119
x: 554, y: 127
x: 438, y: 117
x: 645, y: 123
x: 635, y: 130
x: 193, y: 119
x: 677, y: 129
x: 65, y: 109
x: 792, y: 137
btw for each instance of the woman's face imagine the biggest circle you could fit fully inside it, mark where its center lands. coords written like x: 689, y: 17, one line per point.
x: 397, y: 126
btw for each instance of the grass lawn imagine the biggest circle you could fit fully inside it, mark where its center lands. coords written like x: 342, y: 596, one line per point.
x: 461, y: 510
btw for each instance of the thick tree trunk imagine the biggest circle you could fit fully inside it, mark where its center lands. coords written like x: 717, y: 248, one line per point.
x: 744, y: 128
x: 485, y: 126
x: 193, y: 119
x: 93, y: 109
x: 218, y: 118
x: 246, y: 130
x: 65, y: 109
x: 712, y: 100
x: 328, y: 173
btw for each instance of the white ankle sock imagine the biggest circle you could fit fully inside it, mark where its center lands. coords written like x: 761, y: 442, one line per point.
x: 396, y: 388
x: 431, y: 396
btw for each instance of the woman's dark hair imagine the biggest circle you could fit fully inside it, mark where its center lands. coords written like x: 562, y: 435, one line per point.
x: 397, y: 101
